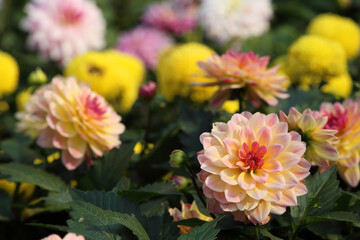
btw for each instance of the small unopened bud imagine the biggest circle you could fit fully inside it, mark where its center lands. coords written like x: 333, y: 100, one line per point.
x: 180, y: 182
x: 148, y: 90
x: 178, y: 158
x: 37, y: 77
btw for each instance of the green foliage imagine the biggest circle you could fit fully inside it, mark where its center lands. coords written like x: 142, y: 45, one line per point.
x: 23, y: 173
x: 206, y: 231
x: 5, y: 209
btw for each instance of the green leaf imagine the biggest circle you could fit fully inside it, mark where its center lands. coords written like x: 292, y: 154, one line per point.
x: 23, y: 173
x: 90, y: 219
x: 266, y: 233
x: 11, y: 148
x: 5, y: 209
x: 155, y: 207
x: 323, y: 191
x: 191, y: 222
x: 326, y: 230
x: 151, y: 190
x: 205, y: 232
x: 49, y: 226
x: 335, y: 216
x: 355, y: 195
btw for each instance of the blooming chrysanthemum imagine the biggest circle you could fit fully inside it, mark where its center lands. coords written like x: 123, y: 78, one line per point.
x: 178, y: 68
x: 253, y: 167
x: 339, y: 86
x: 244, y: 70
x: 114, y: 75
x: 145, y: 43
x: 319, y: 141
x: 9, y: 73
x: 187, y: 211
x: 234, y: 19
x: 315, y: 57
x: 341, y: 29
x: 70, y: 117
x: 69, y: 236
x: 173, y: 16
x: 62, y: 29
x: 344, y: 118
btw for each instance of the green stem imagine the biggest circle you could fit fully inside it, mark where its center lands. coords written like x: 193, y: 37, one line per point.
x: 298, y: 226
x: 257, y: 233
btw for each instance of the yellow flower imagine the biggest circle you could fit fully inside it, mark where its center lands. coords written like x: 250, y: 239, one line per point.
x: 25, y: 189
x: 178, y: 68
x: 339, y: 86
x: 341, y: 29
x: 9, y: 72
x: 22, y: 98
x: 114, y: 75
x: 283, y: 65
x: 312, y: 58
x: 231, y: 106
x: 139, y: 147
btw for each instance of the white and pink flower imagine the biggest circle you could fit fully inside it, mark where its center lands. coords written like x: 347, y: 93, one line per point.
x: 69, y: 236
x: 72, y: 118
x: 252, y: 167
x: 62, y: 29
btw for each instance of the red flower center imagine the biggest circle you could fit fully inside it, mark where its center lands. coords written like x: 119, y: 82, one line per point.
x: 94, y: 108
x: 251, y: 159
x: 71, y: 14
x: 336, y: 121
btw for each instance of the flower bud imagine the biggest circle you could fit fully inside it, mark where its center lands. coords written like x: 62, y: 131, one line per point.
x: 37, y: 77
x: 178, y: 158
x: 181, y: 182
x: 148, y: 90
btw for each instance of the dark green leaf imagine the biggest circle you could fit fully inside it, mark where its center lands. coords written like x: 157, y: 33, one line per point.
x: 355, y: 195
x: 205, y: 232
x: 89, y: 218
x: 191, y: 222
x: 326, y: 230
x: 5, y: 207
x: 155, y: 207
x: 49, y: 226
x: 11, y: 148
x: 266, y: 233
x: 335, y: 216
x: 23, y: 173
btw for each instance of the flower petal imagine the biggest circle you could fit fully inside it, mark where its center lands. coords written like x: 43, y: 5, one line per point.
x: 230, y: 175
x: 215, y: 183
x: 234, y: 193
x: 245, y: 181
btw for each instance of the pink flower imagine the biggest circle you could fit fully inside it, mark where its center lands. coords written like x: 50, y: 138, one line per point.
x: 187, y: 211
x: 252, y: 167
x: 344, y: 117
x: 145, y: 43
x: 69, y: 236
x: 172, y: 16
x: 244, y: 70
x: 62, y: 29
x: 148, y: 90
x: 70, y: 117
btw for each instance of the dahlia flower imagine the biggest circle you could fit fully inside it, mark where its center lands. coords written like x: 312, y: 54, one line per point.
x: 62, y: 29
x: 187, y: 211
x: 243, y: 70
x: 319, y: 141
x: 344, y: 118
x: 72, y: 118
x: 234, y: 19
x: 174, y: 16
x: 252, y: 167
x: 114, y: 75
x: 9, y: 72
x: 145, y: 43
x: 343, y: 30
x: 69, y: 236
x: 313, y: 58
x: 177, y: 69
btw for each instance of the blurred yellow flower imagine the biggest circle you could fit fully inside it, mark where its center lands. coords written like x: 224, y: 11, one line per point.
x: 341, y: 29
x: 312, y: 58
x: 114, y: 75
x: 22, y: 98
x: 139, y: 147
x: 9, y: 72
x: 25, y: 189
x: 4, y: 106
x: 339, y: 86
x: 231, y: 106
x: 178, y: 67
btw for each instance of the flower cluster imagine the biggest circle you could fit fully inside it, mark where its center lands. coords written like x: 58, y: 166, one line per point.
x: 72, y: 118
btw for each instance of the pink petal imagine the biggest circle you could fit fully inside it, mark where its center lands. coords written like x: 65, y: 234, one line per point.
x: 70, y: 162
x: 234, y: 193
x: 245, y: 181
x: 275, y: 181
x: 264, y: 136
x: 215, y: 183
x: 260, y: 175
x: 258, y: 192
x: 261, y: 212
x: 230, y: 175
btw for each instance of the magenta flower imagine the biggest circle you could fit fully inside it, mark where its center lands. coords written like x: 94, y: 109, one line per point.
x: 62, y: 29
x: 148, y: 90
x: 145, y: 43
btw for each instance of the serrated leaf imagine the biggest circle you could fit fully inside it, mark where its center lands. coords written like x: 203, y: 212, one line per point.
x: 5, y: 207
x: 266, y: 233
x: 323, y: 192
x: 91, y: 218
x: 23, y: 173
x: 151, y: 190
x: 335, y: 216
x: 155, y: 207
x: 205, y: 232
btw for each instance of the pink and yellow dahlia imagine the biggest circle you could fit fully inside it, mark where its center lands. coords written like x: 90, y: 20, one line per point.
x: 319, y: 140
x: 69, y: 236
x: 252, y: 167
x: 244, y: 70
x: 344, y: 118
x: 187, y: 211
x: 70, y: 117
